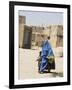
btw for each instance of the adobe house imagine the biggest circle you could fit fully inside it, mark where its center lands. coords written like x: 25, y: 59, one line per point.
x: 22, y: 21
x: 31, y: 36
x: 25, y: 33
x: 56, y: 35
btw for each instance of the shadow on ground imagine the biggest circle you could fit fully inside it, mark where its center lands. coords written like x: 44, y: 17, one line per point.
x: 55, y: 74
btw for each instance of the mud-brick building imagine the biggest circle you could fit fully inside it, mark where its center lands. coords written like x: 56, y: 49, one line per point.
x: 56, y: 35
x: 31, y: 36
x: 37, y: 33
x: 22, y: 21
x: 55, y: 32
x: 25, y: 33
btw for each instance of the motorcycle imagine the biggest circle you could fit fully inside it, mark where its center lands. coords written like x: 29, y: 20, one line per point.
x: 50, y: 63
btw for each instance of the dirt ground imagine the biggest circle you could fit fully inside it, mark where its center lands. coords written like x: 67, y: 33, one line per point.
x: 28, y: 66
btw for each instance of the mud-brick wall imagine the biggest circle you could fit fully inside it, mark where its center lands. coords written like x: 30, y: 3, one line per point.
x: 56, y: 36
x: 22, y: 21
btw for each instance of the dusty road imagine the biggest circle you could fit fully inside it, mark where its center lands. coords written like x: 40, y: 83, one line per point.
x: 28, y: 66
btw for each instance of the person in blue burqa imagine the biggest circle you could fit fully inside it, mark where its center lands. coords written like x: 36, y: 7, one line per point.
x: 47, y: 56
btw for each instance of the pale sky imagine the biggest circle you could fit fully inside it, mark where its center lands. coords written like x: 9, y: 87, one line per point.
x: 42, y: 18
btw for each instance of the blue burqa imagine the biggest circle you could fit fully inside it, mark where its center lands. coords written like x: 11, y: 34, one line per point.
x: 46, y: 52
